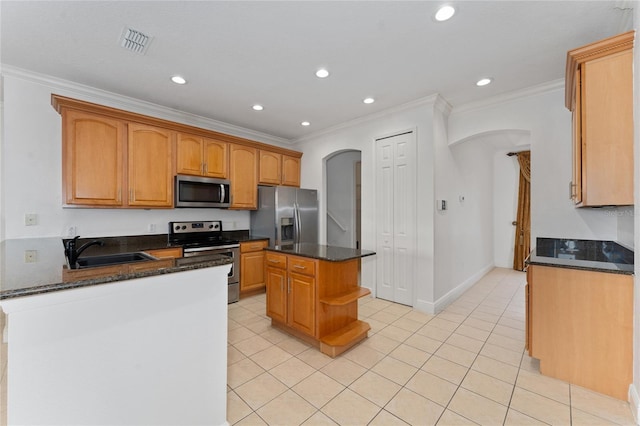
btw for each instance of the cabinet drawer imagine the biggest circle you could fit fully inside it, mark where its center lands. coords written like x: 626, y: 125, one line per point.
x: 253, y: 246
x: 276, y: 260
x: 302, y: 265
x: 150, y: 265
x: 172, y: 253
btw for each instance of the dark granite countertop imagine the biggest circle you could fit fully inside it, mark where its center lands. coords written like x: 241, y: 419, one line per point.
x: 322, y: 252
x: 18, y: 278
x: 591, y: 255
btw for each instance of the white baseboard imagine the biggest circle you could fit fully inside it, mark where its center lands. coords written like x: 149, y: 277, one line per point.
x: 437, y: 306
x: 634, y: 400
x: 425, y: 306
x: 457, y: 291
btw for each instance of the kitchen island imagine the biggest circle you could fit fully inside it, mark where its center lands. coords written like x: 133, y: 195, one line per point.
x: 313, y: 292
x: 579, y: 309
x: 143, y: 347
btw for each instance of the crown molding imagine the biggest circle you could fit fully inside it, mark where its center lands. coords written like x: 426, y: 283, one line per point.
x: 114, y: 100
x: 435, y: 100
x: 539, y: 89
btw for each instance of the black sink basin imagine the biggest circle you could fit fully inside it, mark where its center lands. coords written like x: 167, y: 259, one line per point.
x: 112, y: 259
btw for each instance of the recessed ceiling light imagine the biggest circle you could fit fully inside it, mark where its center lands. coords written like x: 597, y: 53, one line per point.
x: 258, y: 107
x: 322, y: 73
x: 483, y: 82
x: 305, y: 123
x: 445, y: 13
x: 368, y: 100
x: 178, y: 79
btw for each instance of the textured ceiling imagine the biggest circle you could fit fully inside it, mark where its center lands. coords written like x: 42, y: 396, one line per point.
x: 237, y: 53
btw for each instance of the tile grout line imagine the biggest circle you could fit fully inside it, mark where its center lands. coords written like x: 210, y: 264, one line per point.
x: 450, y: 333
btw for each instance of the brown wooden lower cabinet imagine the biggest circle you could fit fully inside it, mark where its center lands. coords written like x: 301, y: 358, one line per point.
x: 580, y: 326
x: 316, y: 300
x: 252, y: 266
x: 70, y: 275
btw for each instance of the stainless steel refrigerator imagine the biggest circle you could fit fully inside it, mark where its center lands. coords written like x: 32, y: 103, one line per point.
x: 286, y: 215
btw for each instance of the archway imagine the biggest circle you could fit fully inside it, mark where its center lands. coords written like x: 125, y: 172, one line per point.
x: 343, y: 198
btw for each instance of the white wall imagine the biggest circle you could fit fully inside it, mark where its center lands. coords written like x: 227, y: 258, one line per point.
x: 2, y: 138
x: 360, y: 135
x: 464, y: 232
x: 341, y: 198
x: 506, y: 174
x: 31, y: 167
x: 541, y: 111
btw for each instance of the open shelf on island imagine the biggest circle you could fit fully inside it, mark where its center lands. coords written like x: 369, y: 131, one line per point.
x: 346, y: 298
x: 340, y: 340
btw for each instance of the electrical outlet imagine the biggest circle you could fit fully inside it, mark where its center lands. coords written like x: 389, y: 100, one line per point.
x: 30, y: 256
x: 30, y: 219
x: 71, y: 231
x: 151, y: 227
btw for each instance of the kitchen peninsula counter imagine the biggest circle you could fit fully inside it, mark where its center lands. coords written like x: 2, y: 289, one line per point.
x: 45, y: 275
x: 76, y: 350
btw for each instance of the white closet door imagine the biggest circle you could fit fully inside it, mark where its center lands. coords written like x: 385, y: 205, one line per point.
x: 396, y: 221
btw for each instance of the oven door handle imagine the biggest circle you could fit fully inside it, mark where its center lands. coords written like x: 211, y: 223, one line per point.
x: 216, y: 248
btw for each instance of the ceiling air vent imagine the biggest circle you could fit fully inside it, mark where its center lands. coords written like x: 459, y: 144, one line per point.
x: 135, y: 41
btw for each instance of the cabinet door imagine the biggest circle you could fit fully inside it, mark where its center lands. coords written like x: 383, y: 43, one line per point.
x: 150, y: 171
x: 290, y: 171
x: 251, y: 271
x: 576, y: 122
x: 302, y: 310
x: 92, y: 160
x: 243, y: 167
x: 276, y: 294
x: 582, y: 327
x: 216, y: 159
x: 189, y: 155
x: 270, y: 168
x: 528, y: 311
x: 607, y: 115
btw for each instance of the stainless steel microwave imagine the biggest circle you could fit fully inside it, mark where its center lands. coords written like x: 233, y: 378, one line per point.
x: 199, y: 192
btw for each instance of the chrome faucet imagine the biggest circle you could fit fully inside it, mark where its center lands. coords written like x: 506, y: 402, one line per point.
x: 73, y: 254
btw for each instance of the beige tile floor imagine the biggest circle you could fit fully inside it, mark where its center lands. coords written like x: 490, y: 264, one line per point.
x: 466, y: 365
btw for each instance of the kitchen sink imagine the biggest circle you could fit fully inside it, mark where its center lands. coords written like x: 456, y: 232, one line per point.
x: 112, y: 259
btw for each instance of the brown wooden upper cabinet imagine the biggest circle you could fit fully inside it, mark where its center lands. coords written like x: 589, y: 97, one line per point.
x: 150, y: 173
x: 199, y: 156
x: 121, y: 159
x: 599, y: 92
x: 270, y: 168
x: 290, y: 170
x: 92, y: 159
x: 243, y: 168
x: 278, y: 169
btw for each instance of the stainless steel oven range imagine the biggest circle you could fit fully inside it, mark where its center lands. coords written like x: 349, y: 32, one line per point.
x: 202, y: 240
